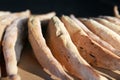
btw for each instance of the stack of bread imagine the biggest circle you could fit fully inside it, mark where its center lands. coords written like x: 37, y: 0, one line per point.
x: 68, y: 48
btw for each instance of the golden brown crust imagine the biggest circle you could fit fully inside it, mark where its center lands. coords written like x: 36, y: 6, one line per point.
x: 103, y: 32
x: 43, y: 53
x: 92, y: 52
x: 66, y: 52
x: 95, y: 37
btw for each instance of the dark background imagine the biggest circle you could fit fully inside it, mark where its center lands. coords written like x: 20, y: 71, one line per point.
x: 81, y: 8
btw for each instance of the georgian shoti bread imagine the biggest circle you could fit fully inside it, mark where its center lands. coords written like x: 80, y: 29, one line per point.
x: 103, y: 32
x: 95, y: 37
x: 116, y: 12
x: 91, y: 51
x: 66, y: 53
x: 12, y: 44
x: 6, y: 20
x: 43, y: 53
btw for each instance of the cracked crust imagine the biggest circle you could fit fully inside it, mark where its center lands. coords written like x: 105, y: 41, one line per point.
x: 92, y: 52
x: 96, y: 38
x: 42, y: 51
x: 66, y: 52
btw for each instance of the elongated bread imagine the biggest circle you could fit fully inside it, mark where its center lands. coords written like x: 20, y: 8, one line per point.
x: 43, y: 53
x: 95, y: 37
x: 4, y: 22
x: 8, y: 19
x: 108, y: 24
x: 92, y: 52
x: 103, y: 32
x: 112, y: 19
x: 116, y: 12
x: 66, y: 52
x: 12, y: 45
